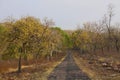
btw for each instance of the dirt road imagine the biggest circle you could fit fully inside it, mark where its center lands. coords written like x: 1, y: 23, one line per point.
x: 68, y: 70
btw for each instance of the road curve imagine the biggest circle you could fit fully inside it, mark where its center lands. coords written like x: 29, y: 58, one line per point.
x: 68, y: 70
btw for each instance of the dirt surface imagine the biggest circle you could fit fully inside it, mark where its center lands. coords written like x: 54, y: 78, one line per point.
x: 68, y: 70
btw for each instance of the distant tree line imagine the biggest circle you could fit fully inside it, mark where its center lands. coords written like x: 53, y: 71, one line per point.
x: 101, y: 35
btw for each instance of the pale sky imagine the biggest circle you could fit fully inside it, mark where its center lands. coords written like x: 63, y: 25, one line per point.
x: 66, y: 13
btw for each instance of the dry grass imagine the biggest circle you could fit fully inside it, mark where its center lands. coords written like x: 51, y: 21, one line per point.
x: 90, y: 64
x: 33, y: 72
x: 6, y: 65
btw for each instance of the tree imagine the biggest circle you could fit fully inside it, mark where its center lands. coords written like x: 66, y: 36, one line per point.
x: 23, y: 31
x: 81, y: 40
x: 115, y: 34
x: 107, y: 21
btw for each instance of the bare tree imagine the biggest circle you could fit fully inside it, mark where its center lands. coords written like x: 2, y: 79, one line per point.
x: 107, y: 20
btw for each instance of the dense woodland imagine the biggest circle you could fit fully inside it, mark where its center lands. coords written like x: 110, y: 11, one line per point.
x: 29, y: 38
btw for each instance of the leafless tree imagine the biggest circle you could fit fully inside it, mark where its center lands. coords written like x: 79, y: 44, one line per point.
x: 107, y: 20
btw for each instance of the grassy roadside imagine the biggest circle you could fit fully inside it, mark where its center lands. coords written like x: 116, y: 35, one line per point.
x: 91, y: 66
x: 32, y: 73
x: 83, y: 65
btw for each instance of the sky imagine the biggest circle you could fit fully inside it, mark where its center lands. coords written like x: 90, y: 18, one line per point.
x: 66, y: 14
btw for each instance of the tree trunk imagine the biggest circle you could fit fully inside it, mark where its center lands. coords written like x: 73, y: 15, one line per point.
x: 22, y: 49
x: 19, y: 64
x: 48, y: 57
x: 94, y: 49
x: 102, y: 50
x: 116, y: 44
x: 108, y: 48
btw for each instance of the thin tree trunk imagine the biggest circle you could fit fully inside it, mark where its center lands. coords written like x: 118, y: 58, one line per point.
x: 117, y: 48
x: 102, y: 50
x: 108, y: 48
x: 19, y: 64
x: 94, y: 49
